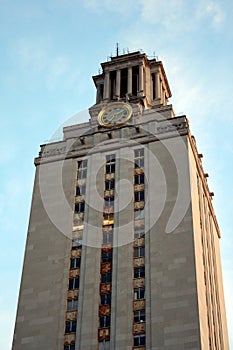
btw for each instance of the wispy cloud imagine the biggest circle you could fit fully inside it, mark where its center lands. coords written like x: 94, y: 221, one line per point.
x: 179, y: 14
x: 125, y: 7
x: 212, y: 10
x: 38, y: 57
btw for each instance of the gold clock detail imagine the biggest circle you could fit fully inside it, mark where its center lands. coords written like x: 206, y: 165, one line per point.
x: 115, y: 114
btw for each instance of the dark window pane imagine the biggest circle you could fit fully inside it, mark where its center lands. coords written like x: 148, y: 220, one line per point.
x: 110, y: 158
x: 107, y: 238
x: 80, y: 207
x: 105, y: 321
x: 69, y: 305
x: 80, y: 190
x: 75, y: 263
x: 73, y: 283
x: 73, y: 326
x: 139, y: 293
x: 110, y: 168
x: 139, y: 340
x: 76, y: 283
x: 139, y: 196
x: 72, y: 304
x: 139, y: 251
x: 139, y: 153
x: 109, y: 185
x: 82, y: 164
x: 105, y: 299
x: 139, y: 179
x: 139, y: 316
x: 139, y: 272
x: 67, y: 327
x: 106, y: 277
x: 106, y: 257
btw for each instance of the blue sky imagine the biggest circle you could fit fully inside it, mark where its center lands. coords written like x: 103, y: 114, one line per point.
x: 49, y: 51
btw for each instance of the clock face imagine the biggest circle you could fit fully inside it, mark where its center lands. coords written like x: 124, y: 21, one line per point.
x: 115, y: 114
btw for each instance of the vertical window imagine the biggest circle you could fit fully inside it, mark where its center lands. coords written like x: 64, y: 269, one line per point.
x: 70, y: 327
x: 82, y: 164
x: 74, y: 283
x: 139, y: 214
x: 139, y: 272
x: 106, y: 277
x: 139, y: 179
x: 106, y: 257
x: 72, y: 304
x: 139, y: 251
x: 104, y: 345
x: 139, y: 293
x: 139, y: 158
x: 105, y: 299
x: 69, y: 346
x: 107, y: 238
x: 75, y: 263
x: 105, y: 321
x: 109, y: 185
x: 139, y: 196
x: 108, y: 202
x: 139, y: 316
x: 139, y: 234
x: 80, y: 207
x: 81, y: 190
x: 110, y: 168
x: 139, y: 340
x: 82, y: 174
x: 77, y: 243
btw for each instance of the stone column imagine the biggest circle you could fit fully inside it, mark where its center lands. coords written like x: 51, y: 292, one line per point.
x: 106, y: 85
x: 157, y: 86
x: 98, y: 94
x: 129, y: 87
x: 118, y: 82
x: 141, y: 78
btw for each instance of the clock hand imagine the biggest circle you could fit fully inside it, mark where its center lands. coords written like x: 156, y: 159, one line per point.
x: 116, y: 116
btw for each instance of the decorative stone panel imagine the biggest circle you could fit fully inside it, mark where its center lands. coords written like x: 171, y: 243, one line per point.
x: 106, y: 267
x: 104, y: 310
x: 139, y: 205
x: 139, y: 304
x: 69, y: 338
x: 71, y: 315
x: 139, y: 187
x: 79, y: 199
x: 139, y: 282
x: 139, y: 262
x: 108, y: 193
x: 74, y: 273
x: 109, y: 177
x: 76, y: 253
x: 139, y: 242
x: 72, y: 294
x: 105, y: 288
x: 104, y: 333
x: 138, y: 171
x: 139, y: 328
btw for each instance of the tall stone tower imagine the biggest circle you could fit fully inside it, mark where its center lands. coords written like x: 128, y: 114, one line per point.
x: 123, y: 243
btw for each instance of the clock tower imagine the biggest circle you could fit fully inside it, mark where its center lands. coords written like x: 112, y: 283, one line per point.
x: 122, y: 249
